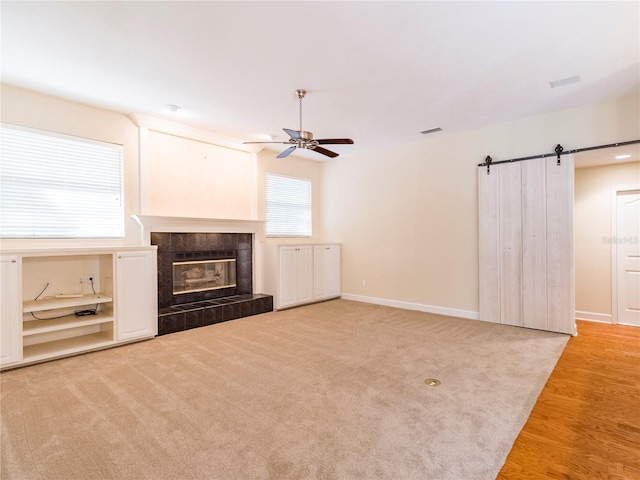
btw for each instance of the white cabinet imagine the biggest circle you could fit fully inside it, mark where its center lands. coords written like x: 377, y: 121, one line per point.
x: 300, y: 274
x: 10, y: 341
x: 296, y: 276
x: 136, y: 295
x: 326, y: 272
x: 59, y: 302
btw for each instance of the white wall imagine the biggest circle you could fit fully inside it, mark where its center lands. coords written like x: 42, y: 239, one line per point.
x: 407, y: 217
x: 191, y: 178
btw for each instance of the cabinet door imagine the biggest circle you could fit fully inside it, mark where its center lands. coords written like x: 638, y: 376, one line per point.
x: 295, y: 276
x: 10, y: 311
x: 287, y: 295
x: 136, y: 295
x: 305, y: 274
x: 326, y: 271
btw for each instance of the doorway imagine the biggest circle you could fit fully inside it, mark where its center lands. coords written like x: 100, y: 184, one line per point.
x: 599, y: 175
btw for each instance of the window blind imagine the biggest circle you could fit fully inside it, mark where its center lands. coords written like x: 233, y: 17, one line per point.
x: 288, y: 205
x: 57, y: 186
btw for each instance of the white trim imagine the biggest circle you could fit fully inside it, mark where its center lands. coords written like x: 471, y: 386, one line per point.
x: 192, y: 133
x: 143, y: 168
x: 451, y: 312
x: 614, y: 247
x: 153, y: 223
x: 594, y: 317
x: 56, y: 251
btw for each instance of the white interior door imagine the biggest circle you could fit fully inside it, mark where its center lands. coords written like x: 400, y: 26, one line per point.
x: 627, y: 253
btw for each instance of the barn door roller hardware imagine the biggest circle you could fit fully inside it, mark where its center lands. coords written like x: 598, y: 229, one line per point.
x: 487, y: 162
x: 558, y: 151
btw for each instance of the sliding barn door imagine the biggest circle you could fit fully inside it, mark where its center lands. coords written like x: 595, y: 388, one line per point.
x: 526, y: 244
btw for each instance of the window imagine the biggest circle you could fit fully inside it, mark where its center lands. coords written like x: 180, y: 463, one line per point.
x: 57, y: 186
x: 288, y: 206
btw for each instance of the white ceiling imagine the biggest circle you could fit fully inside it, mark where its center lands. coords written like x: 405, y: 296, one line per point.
x: 378, y: 72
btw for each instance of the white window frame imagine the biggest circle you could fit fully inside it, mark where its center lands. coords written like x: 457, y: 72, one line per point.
x: 289, y: 209
x: 59, y: 186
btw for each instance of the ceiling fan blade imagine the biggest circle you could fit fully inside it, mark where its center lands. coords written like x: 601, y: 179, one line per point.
x: 247, y: 143
x: 292, y: 133
x: 287, y: 152
x: 326, y: 152
x: 335, y: 141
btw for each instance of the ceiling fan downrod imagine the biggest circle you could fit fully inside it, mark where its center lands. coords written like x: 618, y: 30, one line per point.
x: 300, y: 93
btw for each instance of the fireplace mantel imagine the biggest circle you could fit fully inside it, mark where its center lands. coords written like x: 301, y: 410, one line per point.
x: 153, y: 223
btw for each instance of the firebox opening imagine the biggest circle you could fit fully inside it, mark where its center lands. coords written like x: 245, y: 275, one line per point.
x: 203, y: 275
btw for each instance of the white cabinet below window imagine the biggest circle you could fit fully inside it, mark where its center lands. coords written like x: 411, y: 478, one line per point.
x: 295, y: 276
x: 60, y: 302
x: 300, y: 274
x: 136, y: 295
x: 326, y: 272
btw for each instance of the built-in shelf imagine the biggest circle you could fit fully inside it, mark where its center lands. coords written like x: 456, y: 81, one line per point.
x: 51, y: 303
x: 36, y: 327
x: 67, y: 346
x: 124, y: 310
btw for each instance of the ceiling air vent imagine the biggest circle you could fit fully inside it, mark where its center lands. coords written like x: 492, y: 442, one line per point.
x: 432, y: 130
x: 565, y: 81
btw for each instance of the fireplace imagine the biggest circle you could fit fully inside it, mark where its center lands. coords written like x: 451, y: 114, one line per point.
x: 203, y: 275
x: 205, y: 278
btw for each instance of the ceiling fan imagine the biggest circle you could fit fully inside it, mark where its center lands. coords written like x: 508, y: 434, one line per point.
x: 302, y: 139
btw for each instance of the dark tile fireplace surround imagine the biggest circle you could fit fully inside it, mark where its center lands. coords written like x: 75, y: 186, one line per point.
x: 197, y: 309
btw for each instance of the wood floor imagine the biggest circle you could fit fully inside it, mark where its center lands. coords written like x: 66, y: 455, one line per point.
x: 586, y: 422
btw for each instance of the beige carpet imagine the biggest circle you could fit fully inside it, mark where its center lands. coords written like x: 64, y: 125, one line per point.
x: 328, y: 391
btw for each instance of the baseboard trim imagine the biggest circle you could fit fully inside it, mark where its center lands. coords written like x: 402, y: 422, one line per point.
x: 594, y: 317
x: 451, y: 312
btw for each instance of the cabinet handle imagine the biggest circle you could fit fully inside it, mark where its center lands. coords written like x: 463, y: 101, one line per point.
x: 13, y: 260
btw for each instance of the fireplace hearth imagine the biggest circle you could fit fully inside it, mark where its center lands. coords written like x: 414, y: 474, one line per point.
x: 205, y: 278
